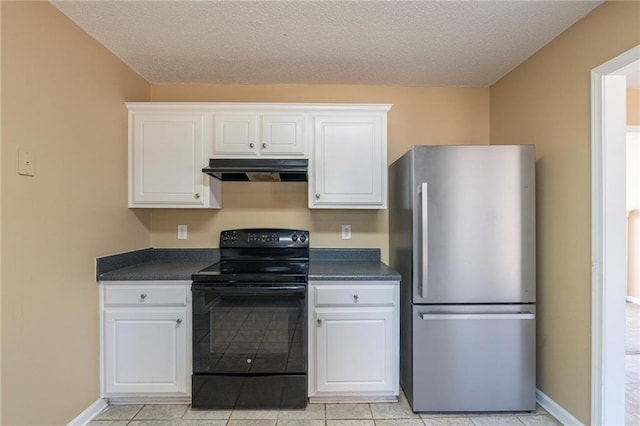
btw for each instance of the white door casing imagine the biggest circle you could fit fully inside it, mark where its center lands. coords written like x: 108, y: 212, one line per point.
x: 608, y: 235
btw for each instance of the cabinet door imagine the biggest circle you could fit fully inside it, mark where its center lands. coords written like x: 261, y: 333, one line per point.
x: 167, y: 154
x: 283, y: 135
x: 146, y: 352
x: 349, y: 165
x: 240, y: 135
x: 354, y: 350
x: 236, y: 134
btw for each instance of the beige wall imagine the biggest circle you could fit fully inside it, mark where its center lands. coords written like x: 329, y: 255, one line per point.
x: 633, y: 107
x: 419, y: 116
x: 546, y: 102
x: 63, y: 98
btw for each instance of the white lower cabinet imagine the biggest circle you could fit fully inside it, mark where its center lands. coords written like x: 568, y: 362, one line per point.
x: 354, y: 350
x: 146, y: 348
x: 144, y: 351
x: 353, y: 340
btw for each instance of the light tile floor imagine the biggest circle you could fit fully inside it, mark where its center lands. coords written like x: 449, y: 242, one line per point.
x: 378, y: 414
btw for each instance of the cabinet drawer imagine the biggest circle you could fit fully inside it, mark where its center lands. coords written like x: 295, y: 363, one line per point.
x: 144, y: 295
x: 354, y: 295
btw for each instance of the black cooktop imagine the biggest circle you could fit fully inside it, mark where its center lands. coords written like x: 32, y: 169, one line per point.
x: 258, y: 271
x: 259, y: 255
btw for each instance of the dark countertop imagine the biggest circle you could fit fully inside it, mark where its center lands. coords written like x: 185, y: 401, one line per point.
x: 155, y: 271
x: 351, y: 270
x: 178, y: 264
x: 155, y: 264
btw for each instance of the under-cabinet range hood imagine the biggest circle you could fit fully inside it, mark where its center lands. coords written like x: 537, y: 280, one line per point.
x: 258, y: 169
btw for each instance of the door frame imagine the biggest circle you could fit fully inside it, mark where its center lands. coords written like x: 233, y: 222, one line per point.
x: 608, y: 236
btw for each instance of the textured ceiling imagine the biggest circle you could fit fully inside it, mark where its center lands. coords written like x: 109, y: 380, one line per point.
x: 409, y: 43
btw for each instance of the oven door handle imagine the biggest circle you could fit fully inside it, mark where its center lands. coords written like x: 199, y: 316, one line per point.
x: 246, y: 290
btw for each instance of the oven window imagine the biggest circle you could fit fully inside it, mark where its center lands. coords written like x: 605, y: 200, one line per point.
x: 249, y: 332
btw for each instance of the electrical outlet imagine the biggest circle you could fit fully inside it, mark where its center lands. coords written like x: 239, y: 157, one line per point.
x: 182, y: 232
x: 26, y: 163
x: 346, y: 232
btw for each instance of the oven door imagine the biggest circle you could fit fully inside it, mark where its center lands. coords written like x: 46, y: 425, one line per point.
x: 249, y: 345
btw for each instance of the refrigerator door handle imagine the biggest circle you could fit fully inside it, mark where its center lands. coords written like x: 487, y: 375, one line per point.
x: 424, y: 213
x: 487, y: 316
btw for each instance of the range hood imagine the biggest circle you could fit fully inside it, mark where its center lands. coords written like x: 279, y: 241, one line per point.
x: 258, y: 169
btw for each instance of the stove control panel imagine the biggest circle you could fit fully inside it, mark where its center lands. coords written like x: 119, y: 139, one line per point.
x: 263, y: 237
x: 267, y: 238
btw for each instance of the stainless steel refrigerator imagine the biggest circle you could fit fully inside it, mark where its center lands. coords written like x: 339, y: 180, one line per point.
x: 462, y: 235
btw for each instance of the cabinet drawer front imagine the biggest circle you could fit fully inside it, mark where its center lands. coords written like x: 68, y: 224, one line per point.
x: 354, y: 295
x: 144, y: 295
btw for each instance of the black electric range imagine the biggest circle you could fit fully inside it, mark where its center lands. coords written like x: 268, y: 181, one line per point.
x: 250, y: 322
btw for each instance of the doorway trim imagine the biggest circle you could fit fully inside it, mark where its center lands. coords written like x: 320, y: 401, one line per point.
x: 608, y: 236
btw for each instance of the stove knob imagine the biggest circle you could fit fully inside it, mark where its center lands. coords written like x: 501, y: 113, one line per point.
x: 303, y: 238
x: 225, y: 237
x: 294, y: 238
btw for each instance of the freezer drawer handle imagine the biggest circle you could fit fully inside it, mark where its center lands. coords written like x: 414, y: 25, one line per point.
x: 424, y: 190
x: 492, y: 316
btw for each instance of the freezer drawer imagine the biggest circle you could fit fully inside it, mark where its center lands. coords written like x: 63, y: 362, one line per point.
x: 467, y: 358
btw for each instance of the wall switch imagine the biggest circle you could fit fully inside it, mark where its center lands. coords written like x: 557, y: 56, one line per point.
x: 346, y: 232
x: 26, y: 163
x: 182, y: 232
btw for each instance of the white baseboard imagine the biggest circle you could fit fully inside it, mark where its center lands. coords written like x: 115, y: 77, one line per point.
x: 632, y: 299
x: 87, y: 415
x: 562, y: 415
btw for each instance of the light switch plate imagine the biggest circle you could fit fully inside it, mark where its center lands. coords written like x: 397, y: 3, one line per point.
x: 182, y: 232
x: 346, y: 232
x: 26, y: 163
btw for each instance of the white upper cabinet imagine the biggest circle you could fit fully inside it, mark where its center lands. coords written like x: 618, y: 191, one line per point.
x: 171, y: 142
x: 242, y: 135
x: 167, y: 151
x: 349, y: 168
x: 236, y: 134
